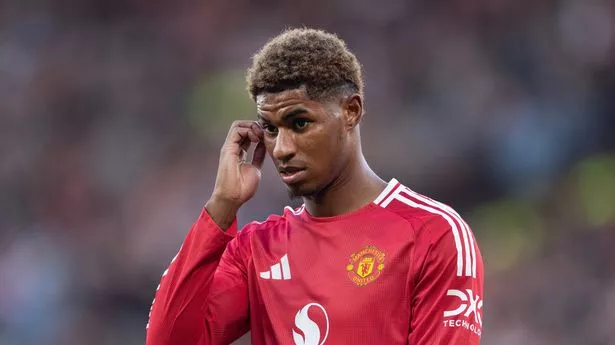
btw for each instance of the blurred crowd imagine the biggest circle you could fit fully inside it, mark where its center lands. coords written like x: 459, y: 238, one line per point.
x: 112, y: 113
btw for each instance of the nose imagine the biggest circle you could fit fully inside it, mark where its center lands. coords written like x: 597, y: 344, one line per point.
x: 284, y: 148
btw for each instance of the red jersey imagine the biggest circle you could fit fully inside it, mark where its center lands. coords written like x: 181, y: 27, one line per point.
x: 403, y: 269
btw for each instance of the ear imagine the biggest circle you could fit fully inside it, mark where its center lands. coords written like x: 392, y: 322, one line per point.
x: 352, y: 110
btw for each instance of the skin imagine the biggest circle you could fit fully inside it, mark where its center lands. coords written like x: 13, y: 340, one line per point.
x: 320, y: 138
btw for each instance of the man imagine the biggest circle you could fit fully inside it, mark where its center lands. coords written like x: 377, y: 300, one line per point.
x: 362, y: 261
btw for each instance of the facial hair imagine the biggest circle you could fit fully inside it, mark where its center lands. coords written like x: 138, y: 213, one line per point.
x: 294, y: 194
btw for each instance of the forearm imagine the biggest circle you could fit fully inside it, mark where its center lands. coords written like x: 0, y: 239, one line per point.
x: 185, y: 285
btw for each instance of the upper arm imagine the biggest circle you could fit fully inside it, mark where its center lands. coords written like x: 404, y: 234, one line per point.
x: 448, y: 287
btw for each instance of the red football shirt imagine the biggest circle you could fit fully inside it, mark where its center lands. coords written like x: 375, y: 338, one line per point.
x: 403, y: 269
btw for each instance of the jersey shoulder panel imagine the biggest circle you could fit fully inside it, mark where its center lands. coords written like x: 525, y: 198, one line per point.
x: 436, y: 225
x: 259, y: 228
x: 424, y: 213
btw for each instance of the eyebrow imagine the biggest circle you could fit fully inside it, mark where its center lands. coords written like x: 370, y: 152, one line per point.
x: 287, y: 116
x: 293, y: 113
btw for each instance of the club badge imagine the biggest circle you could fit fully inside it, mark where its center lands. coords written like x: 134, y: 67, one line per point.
x: 365, y: 265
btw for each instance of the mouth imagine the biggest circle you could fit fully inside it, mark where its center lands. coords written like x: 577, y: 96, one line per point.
x: 292, y: 175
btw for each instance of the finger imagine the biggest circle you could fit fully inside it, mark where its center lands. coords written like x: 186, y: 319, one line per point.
x: 259, y: 155
x: 235, y: 127
x: 247, y: 138
x: 239, y: 139
x: 253, y: 136
x: 240, y: 134
x: 245, y: 146
x: 246, y: 124
x: 258, y: 129
x: 240, y: 126
x: 243, y: 123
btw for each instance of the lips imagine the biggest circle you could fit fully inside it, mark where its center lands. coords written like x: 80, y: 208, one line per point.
x: 292, y: 175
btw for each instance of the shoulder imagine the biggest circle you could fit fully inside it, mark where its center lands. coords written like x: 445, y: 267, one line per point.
x: 418, y: 209
x: 273, y: 223
x: 257, y: 226
x: 437, y: 225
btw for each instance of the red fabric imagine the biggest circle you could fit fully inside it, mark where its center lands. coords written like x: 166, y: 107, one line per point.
x: 385, y: 274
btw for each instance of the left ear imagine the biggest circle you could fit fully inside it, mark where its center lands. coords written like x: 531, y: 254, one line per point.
x: 352, y: 110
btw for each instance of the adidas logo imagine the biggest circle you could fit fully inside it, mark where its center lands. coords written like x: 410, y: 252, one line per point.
x: 278, y: 271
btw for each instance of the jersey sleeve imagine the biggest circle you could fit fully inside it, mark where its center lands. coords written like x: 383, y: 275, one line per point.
x: 202, y: 297
x: 448, y: 285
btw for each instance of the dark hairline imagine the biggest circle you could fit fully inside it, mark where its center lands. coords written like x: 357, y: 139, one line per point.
x: 344, y: 88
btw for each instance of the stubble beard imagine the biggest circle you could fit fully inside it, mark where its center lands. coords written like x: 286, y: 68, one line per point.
x: 301, y: 194
x: 298, y: 193
x: 295, y: 194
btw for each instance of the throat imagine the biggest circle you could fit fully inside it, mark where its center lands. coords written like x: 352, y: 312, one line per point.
x: 345, y: 195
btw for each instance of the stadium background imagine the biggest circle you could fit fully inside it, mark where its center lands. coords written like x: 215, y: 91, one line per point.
x: 112, y: 113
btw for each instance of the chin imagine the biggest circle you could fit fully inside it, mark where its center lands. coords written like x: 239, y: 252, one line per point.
x: 295, y: 192
x: 302, y: 190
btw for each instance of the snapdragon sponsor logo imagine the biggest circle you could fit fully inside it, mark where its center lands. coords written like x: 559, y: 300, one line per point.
x: 468, y: 314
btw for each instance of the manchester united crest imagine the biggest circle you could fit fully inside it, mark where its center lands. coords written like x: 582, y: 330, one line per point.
x: 365, y: 265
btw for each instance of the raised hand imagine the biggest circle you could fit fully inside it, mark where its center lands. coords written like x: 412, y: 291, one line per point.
x: 237, y: 180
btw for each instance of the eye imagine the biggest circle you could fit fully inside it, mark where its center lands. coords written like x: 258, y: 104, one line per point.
x: 301, y: 123
x: 269, y: 129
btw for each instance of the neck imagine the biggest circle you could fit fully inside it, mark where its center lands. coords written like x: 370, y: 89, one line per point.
x: 355, y: 187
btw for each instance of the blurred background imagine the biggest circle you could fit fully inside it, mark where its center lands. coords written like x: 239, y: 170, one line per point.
x: 112, y: 113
